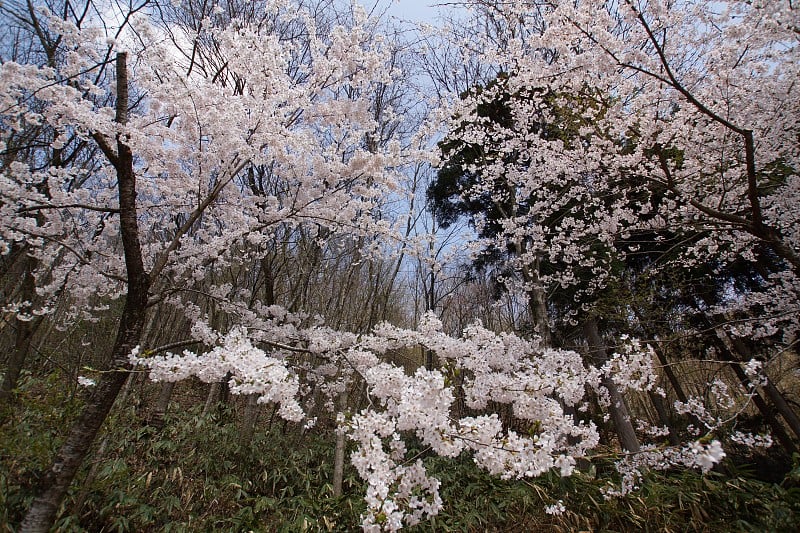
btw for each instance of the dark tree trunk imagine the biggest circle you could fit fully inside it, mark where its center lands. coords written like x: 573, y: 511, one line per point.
x: 673, y: 379
x: 339, y: 451
x: 729, y: 351
x: 739, y: 348
x: 212, y: 398
x: 99, y: 455
x: 8, y: 261
x: 663, y: 416
x: 783, y: 407
x: 617, y: 408
x: 44, y: 509
x: 662, y: 359
x: 537, y: 302
x: 766, y: 412
x: 24, y: 331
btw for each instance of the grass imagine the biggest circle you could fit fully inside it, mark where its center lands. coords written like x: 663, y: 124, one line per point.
x: 196, y: 475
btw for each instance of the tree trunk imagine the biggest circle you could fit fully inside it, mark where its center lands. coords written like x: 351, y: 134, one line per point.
x: 16, y: 361
x: 617, y: 408
x: 537, y: 304
x: 44, y: 509
x: 663, y: 416
x: 212, y: 398
x: 174, y: 323
x: 673, y: 379
x: 776, y: 397
x: 766, y: 412
x: 662, y: 358
x: 99, y: 455
x: 249, y: 419
x: 338, y: 455
x: 24, y: 331
x: 162, y: 404
x: 8, y: 261
x: 780, y: 403
x: 737, y: 350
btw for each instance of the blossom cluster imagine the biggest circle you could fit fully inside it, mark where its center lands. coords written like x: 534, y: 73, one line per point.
x: 632, y: 366
x: 300, y: 110
x: 539, y: 385
x: 632, y: 467
x: 252, y: 371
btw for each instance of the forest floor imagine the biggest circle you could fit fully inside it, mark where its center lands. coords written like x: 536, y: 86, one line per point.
x: 195, y: 473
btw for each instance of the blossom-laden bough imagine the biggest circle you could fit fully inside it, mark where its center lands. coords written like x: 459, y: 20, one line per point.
x: 543, y: 388
x: 708, y: 114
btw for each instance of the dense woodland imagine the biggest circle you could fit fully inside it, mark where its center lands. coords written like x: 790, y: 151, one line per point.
x: 293, y: 265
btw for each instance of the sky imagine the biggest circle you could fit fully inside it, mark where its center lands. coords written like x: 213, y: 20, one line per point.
x: 414, y: 10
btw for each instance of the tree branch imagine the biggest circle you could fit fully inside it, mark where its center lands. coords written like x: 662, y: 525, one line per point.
x: 67, y: 206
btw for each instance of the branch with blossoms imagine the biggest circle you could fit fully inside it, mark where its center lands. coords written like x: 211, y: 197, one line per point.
x: 539, y: 385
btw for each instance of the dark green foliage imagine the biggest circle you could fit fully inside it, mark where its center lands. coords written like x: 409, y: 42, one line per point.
x: 194, y: 475
x: 28, y: 439
x: 496, y: 170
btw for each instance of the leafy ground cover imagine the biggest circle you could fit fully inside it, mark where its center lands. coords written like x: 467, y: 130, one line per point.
x: 196, y: 474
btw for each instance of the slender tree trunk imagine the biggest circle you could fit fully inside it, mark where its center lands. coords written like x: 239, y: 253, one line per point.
x: 44, y: 509
x: 99, y: 455
x: 162, y: 404
x: 249, y: 419
x: 24, y: 331
x: 80, y: 500
x: 617, y: 408
x: 663, y: 416
x: 766, y: 412
x: 173, y: 325
x: 662, y: 358
x: 430, y: 305
x: 8, y: 261
x: 783, y: 407
x: 16, y: 361
x: 212, y: 398
x: 679, y: 393
x: 537, y: 303
x: 740, y: 348
x: 736, y: 350
x: 338, y: 455
x: 673, y: 379
x: 728, y: 350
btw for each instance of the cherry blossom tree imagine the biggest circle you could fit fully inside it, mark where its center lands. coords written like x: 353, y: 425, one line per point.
x: 663, y: 141
x: 34, y: 44
x: 165, y: 204
x: 693, y: 100
x: 707, y: 96
x: 215, y: 139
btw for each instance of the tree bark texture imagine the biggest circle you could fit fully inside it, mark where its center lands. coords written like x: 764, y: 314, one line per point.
x: 212, y: 398
x: 44, y: 509
x: 673, y: 379
x: 339, y: 451
x: 663, y: 416
x: 763, y: 408
x: 617, y: 408
x: 160, y: 411
x: 737, y: 351
x: 249, y: 419
x: 739, y: 347
x: 24, y: 331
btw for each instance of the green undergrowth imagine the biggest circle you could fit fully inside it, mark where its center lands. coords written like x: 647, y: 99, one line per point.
x: 195, y: 474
